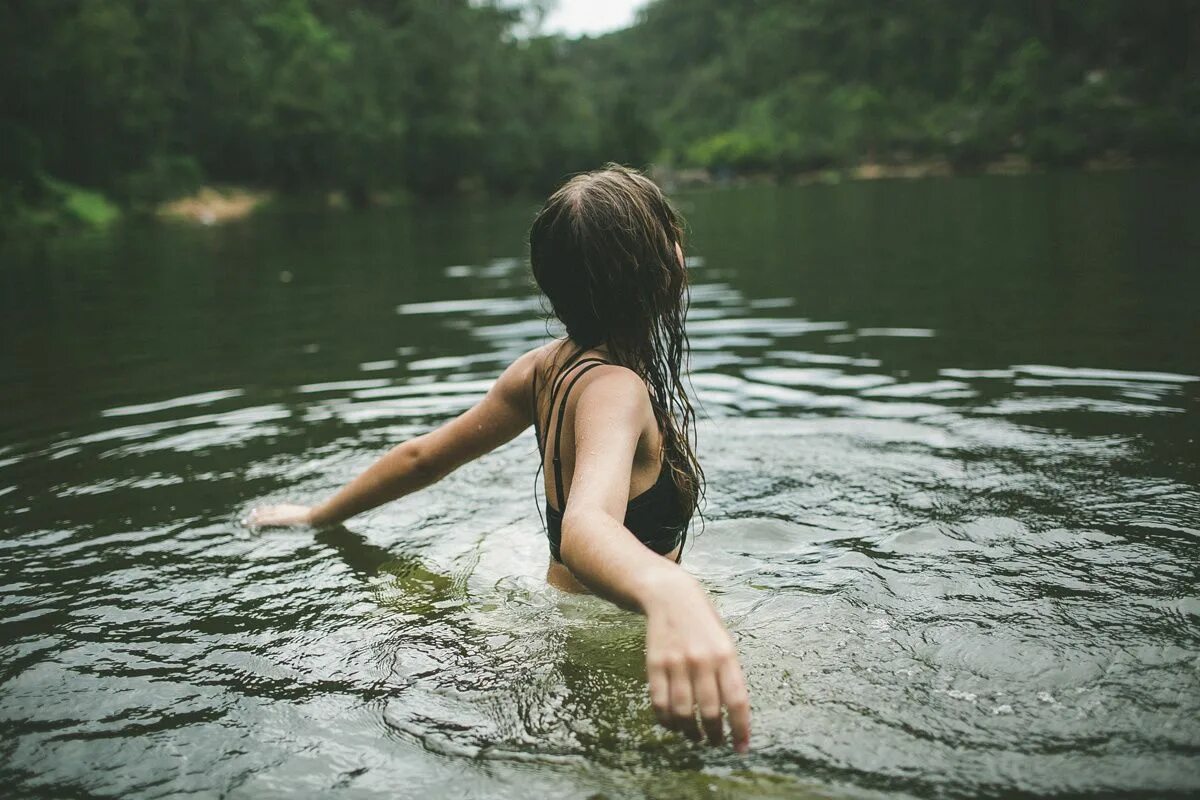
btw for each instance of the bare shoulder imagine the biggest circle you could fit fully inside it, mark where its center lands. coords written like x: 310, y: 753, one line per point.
x: 616, y: 389
x: 521, y: 370
x: 513, y: 387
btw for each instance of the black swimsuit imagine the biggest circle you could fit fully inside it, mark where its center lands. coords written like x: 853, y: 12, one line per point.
x: 654, y: 516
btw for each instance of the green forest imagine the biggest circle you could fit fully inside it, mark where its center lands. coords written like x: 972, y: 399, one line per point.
x: 121, y: 104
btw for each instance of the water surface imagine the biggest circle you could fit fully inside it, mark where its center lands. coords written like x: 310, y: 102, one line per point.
x: 950, y: 429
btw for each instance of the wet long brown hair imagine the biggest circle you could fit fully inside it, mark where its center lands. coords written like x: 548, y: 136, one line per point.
x: 603, y: 251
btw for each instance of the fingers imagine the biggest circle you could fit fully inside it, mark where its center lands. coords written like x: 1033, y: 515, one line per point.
x: 279, y: 516
x: 660, y: 698
x: 678, y: 690
x: 262, y: 518
x: 682, y: 701
x: 708, y: 700
x: 262, y: 515
x: 737, y: 702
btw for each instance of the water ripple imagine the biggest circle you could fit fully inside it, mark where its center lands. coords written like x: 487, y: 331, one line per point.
x: 943, y: 579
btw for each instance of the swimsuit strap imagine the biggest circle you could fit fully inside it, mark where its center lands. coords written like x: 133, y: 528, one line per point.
x: 560, y: 379
x: 533, y: 415
x: 533, y: 397
x: 591, y: 363
x: 555, y: 383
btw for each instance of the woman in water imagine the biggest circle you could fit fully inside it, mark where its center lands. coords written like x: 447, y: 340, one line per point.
x: 614, y: 429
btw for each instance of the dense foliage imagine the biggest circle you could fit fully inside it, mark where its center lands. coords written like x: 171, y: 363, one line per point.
x: 787, y: 85
x: 142, y: 99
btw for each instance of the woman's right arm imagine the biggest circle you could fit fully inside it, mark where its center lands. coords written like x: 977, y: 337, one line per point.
x: 502, y: 414
x: 691, y: 662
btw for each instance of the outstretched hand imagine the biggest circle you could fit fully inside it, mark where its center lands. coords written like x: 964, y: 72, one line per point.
x: 692, y: 666
x: 280, y: 516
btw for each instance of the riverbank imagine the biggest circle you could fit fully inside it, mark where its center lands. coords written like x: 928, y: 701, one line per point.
x: 65, y: 208
x: 937, y: 167
x: 212, y: 206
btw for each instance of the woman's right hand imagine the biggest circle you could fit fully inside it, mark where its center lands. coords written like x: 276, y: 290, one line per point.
x: 281, y: 516
x: 691, y: 664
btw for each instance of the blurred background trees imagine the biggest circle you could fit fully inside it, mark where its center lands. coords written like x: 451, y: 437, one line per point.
x: 141, y: 100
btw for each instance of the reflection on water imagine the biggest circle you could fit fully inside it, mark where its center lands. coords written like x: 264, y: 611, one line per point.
x: 952, y: 509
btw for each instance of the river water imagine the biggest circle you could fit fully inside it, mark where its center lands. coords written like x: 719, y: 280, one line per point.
x: 953, y: 518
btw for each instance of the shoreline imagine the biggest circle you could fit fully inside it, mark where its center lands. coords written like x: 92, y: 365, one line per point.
x: 220, y: 205
x: 212, y: 206
x: 937, y: 167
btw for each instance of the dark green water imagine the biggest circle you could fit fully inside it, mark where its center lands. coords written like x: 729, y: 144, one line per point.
x: 953, y: 520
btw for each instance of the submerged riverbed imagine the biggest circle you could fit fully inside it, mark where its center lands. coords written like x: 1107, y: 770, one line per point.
x: 951, y: 434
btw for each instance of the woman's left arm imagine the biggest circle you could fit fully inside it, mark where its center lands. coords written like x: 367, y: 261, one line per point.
x: 502, y: 414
